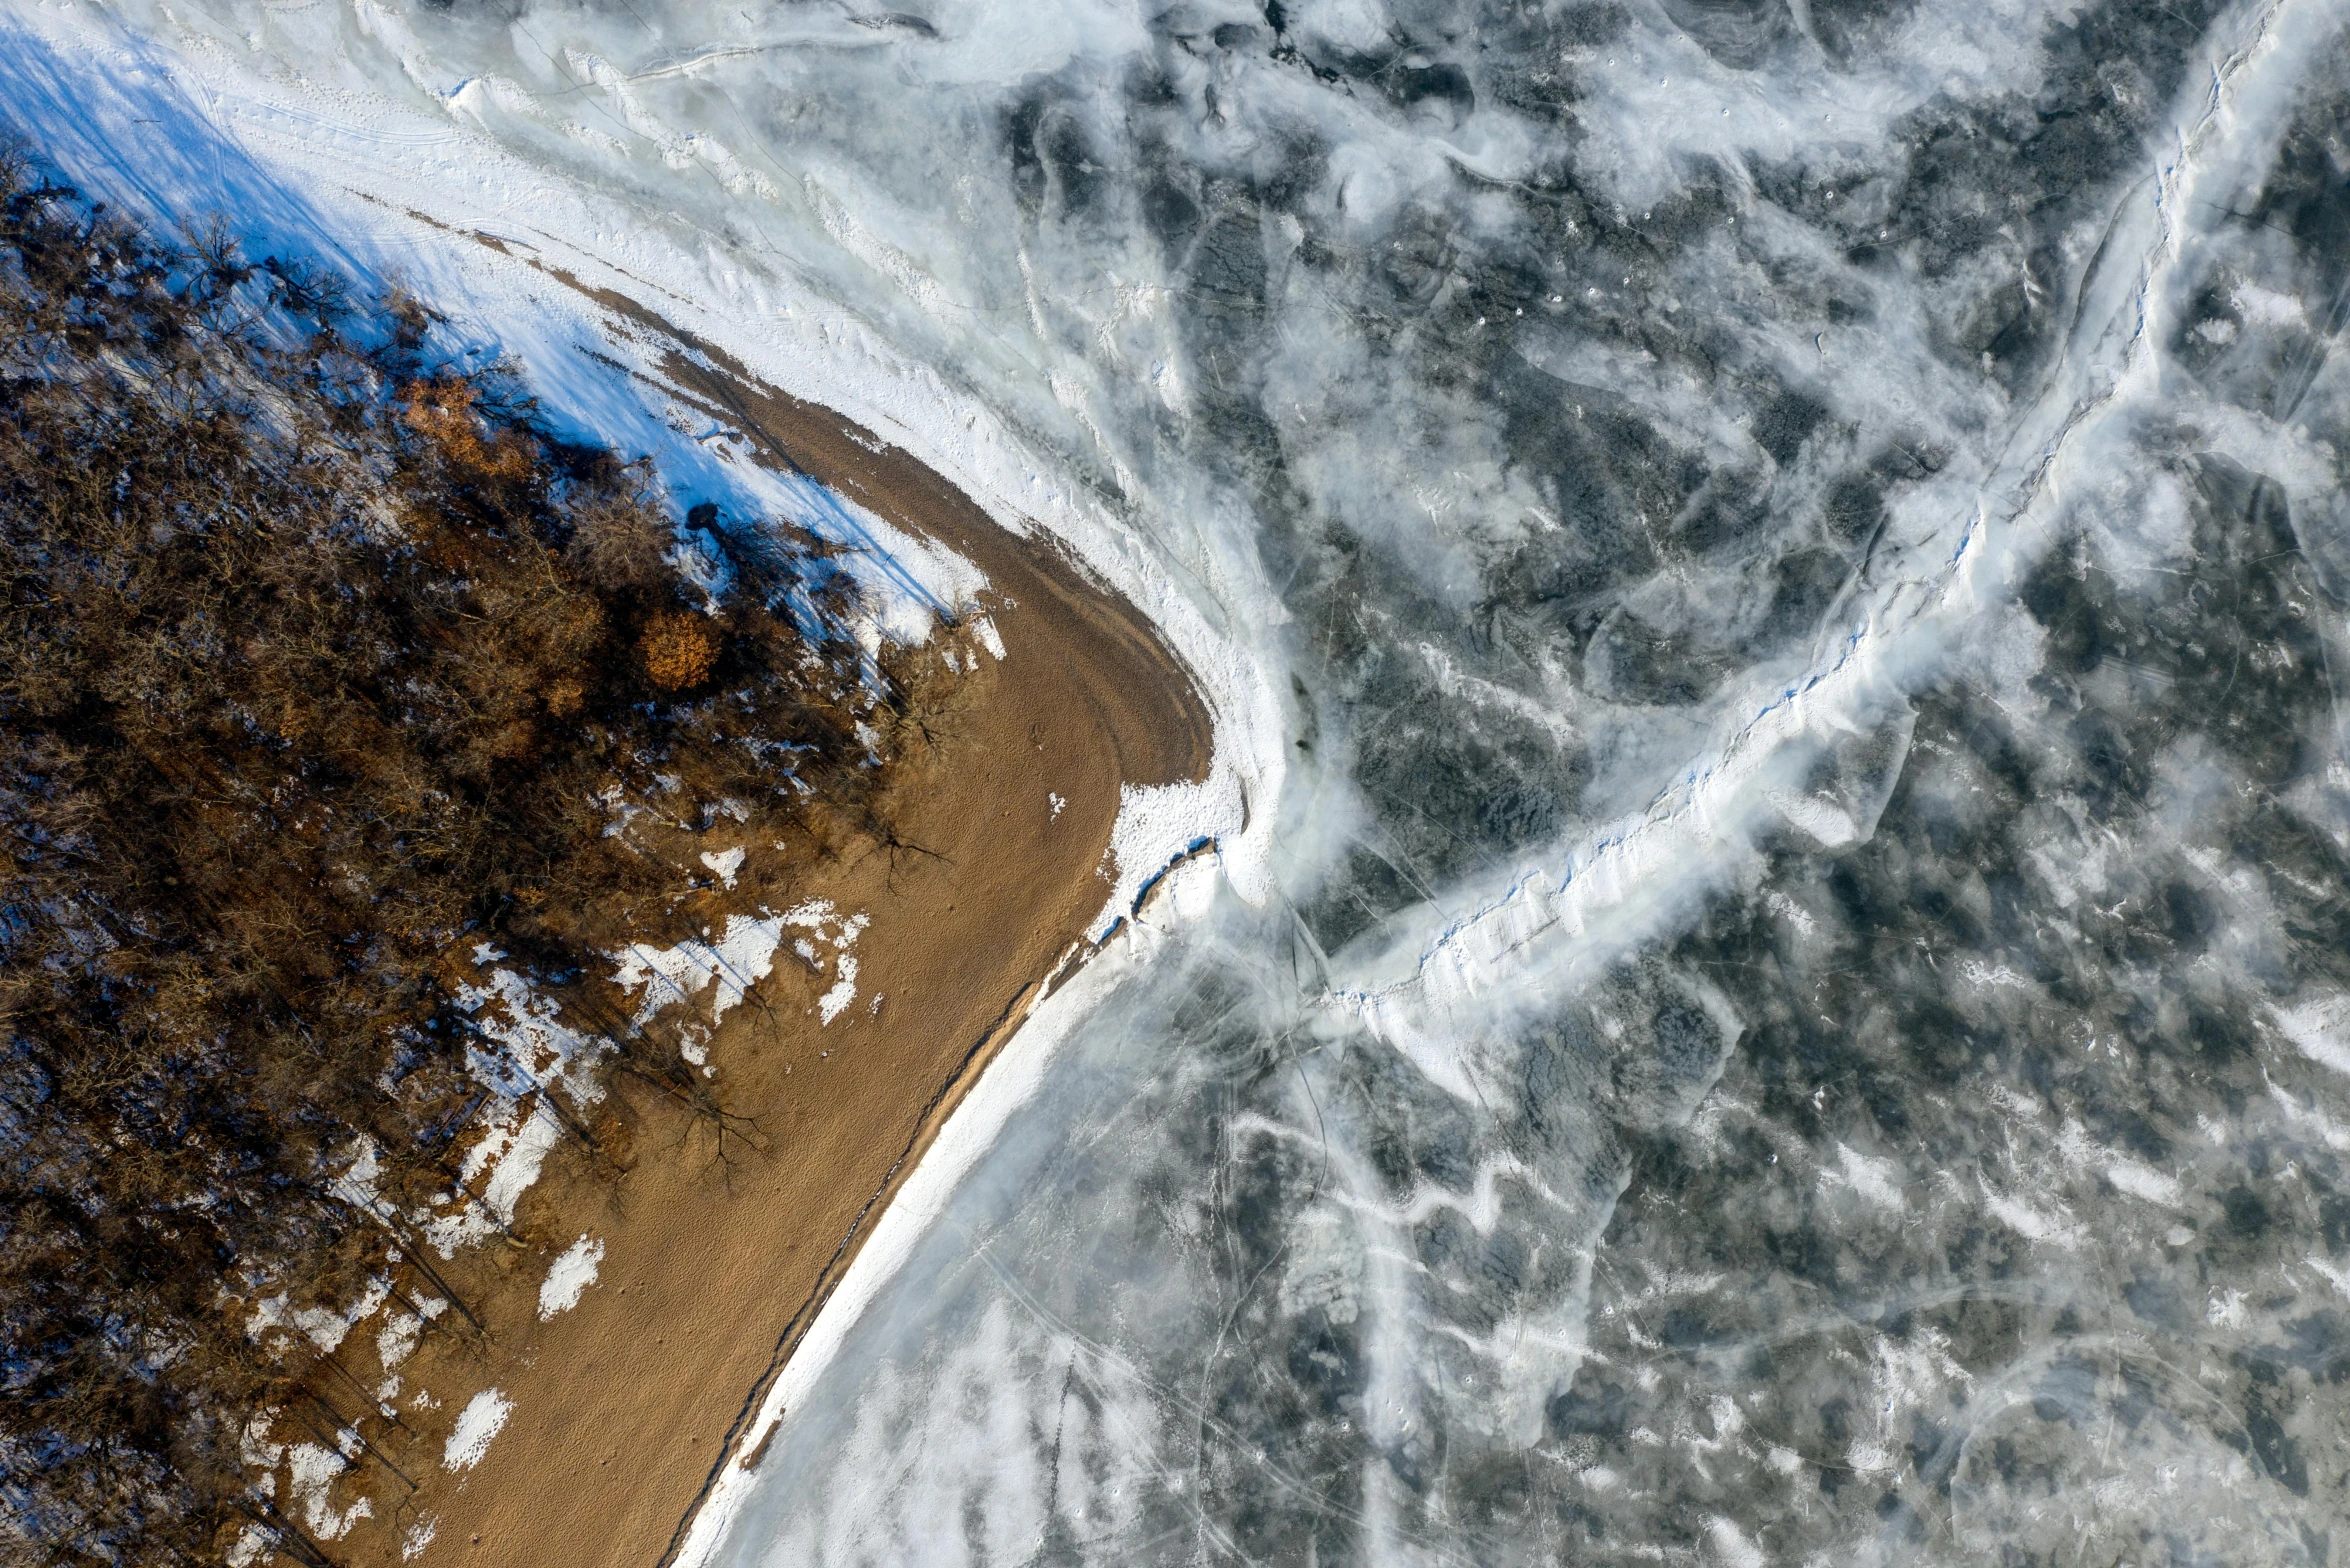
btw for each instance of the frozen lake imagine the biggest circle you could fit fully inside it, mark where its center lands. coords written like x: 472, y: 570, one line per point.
x: 1776, y: 982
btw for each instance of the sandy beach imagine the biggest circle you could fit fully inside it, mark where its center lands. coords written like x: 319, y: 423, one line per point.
x: 623, y: 1406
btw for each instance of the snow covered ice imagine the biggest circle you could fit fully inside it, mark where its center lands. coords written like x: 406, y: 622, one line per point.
x: 1772, y: 982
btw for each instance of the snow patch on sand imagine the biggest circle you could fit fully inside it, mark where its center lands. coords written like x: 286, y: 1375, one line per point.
x: 989, y: 638
x: 844, y: 990
x: 570, y: 1275
x: 740, y: 959
x: 818, y: 917
x: 310, y: 1475
x: 734, y: 963
x: 522, y: 1055
x: 477, y: 1423
x: 322, y: 1326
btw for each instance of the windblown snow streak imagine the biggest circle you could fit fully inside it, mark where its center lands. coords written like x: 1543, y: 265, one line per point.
x: 1776, y: 569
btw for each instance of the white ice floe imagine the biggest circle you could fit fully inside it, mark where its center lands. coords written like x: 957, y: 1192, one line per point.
x: 477, y: 1423
x: 569, y: 1276
x: 1732, y: 1545
x: 1877, y: 1180
x: 2143, y: 1181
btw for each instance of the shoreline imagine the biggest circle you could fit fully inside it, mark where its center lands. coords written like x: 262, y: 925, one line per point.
x: 482, y: 232
x: 1017, y: 1064
x: 740, y: 1258
x: 823, y: 445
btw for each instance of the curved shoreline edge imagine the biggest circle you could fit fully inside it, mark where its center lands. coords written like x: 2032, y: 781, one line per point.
x: 971, y: 1107
x: 1082, y: 657
x: 383, y: 192
x: 1011, y: 1076
x: 1083, y: 684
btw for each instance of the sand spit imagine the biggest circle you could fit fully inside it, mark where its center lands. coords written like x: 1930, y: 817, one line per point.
x: 620, y: 1408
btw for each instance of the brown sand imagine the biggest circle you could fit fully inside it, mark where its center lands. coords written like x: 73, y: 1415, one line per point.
x: 624, y: 1406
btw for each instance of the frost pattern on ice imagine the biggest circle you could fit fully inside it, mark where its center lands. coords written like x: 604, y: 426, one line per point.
x: 2320, y: 1030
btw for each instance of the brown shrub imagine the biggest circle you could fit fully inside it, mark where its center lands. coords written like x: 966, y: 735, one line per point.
x: 678, y: 651
x: 617, y: 542
x: 442, y: 408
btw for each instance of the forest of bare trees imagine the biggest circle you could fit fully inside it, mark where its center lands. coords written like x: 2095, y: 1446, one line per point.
x: 320, y: 661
